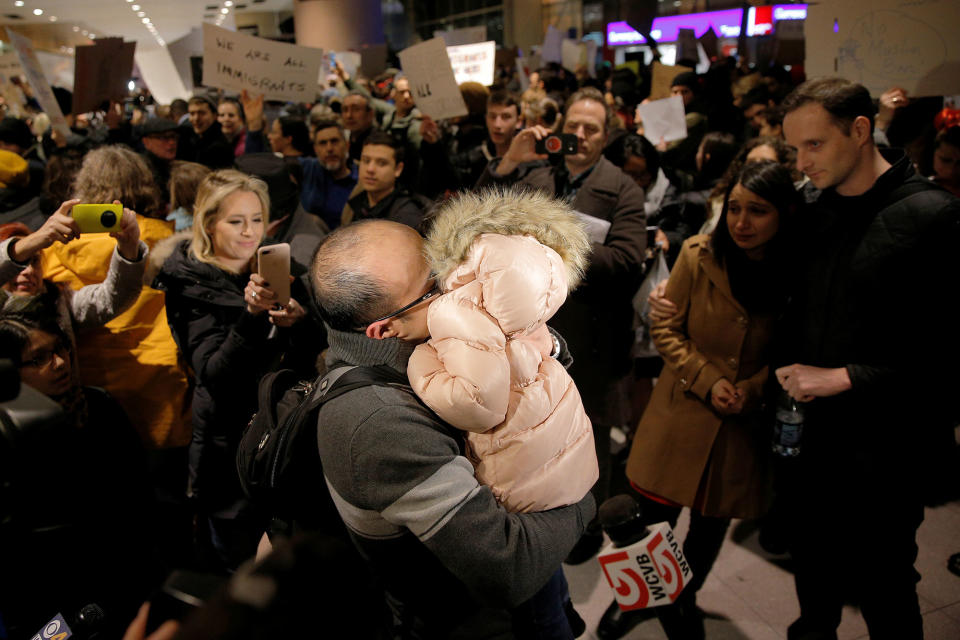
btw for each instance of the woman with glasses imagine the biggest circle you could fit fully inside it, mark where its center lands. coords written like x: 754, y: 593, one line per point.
x: 231, y: 331
x: 77, y: 510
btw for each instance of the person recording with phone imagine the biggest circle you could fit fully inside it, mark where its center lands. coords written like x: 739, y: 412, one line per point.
x: 229, y: 326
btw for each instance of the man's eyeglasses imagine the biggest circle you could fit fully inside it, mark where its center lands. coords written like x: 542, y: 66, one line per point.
x: 434, y: 291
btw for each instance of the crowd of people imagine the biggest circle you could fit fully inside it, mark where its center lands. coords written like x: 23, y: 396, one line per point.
x: 497, y: 287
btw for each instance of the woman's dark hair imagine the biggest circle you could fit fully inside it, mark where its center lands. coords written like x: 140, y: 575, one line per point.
x: 719, y: 150
x: 950, y: 136
x: 786, y: 156
x: 772, y: 182
x: 21, y: 316
x: 296, y: 129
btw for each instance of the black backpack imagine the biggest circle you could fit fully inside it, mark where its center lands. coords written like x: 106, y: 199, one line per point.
x: 277, y: 459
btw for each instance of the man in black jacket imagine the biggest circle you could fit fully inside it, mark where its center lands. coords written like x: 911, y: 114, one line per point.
x: 381, y: 164
x: 201, y: 140
x: 873, y: 234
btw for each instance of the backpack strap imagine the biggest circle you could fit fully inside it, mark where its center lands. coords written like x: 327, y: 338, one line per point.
x: 347, y: 378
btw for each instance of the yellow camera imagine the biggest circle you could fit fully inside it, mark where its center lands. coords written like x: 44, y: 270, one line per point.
x: 97, y: 218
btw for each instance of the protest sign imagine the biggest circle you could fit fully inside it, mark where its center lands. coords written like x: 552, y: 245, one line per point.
x: 551, y: 51
x: 572, y: 54
x: 687, y: 45
x: 432, y: 82
x: 278, y: 70
x: 101, y: 72
x: 789, y: 44
x: 467, y: 35
x: 881, y: 44
x: 10, y: 68
x: 41, y: 88
x: 473, y: 62
x: 663, y: 120
x: 373, y: 60
x: 662, y: 78
x: 709, y: 42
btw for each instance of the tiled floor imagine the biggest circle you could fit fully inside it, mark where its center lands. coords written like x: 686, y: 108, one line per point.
x: 750, y: 596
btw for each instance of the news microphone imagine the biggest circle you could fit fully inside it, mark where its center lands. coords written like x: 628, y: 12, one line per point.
x: 87, y: 625
x: 644, y: 565
x: 56, y: 629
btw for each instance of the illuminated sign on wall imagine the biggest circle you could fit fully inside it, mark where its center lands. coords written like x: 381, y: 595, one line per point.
x: 726, y: 24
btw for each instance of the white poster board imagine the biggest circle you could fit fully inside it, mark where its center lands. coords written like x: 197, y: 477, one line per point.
x: 886, y: 43
x: 278, y: 70
x: 41, y: 88
x: 427, y: 66
x: 551, y: 51
x: 573, y: 53
x: 467, y: 35
x: 663, y: 120
x: 473, y: 62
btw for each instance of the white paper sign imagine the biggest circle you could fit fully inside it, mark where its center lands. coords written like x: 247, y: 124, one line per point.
x: 350, y: 61
x: 552, y: 46
x: 880, y: 44
x: 663, y: 120
x: 41, y: 88
x: 596, y: 228
x: 278, y: 70
x: 467, y: 35
x: 573, y: 53
x: 432, y: 82
x: 473, y: 62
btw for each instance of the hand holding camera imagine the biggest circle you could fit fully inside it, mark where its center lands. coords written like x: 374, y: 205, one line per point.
x: 119, y: 222
x: 523, y: 148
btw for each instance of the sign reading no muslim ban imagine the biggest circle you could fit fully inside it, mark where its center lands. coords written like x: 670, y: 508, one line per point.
x: 432, y: 82
x: 279, y: 71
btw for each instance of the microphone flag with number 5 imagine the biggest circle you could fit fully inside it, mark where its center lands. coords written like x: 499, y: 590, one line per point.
x: 648, y: 573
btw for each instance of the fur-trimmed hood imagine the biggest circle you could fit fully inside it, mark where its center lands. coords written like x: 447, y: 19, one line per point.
x: 461, y: 220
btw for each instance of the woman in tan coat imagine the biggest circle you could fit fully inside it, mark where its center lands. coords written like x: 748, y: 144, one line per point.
x: 702, y: 442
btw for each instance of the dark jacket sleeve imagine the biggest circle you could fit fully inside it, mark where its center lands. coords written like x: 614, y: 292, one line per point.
x: 220, y: 353
x: 621, y: 255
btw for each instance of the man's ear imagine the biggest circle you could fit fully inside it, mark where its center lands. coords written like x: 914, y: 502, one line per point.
x: 398, y: 170
x: 861, y: 129
x: 381, y: 329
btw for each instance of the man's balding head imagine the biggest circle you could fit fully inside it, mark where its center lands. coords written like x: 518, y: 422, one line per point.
x: 364, y: 270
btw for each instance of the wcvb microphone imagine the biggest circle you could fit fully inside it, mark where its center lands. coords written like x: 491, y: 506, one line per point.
x: 644, y: 566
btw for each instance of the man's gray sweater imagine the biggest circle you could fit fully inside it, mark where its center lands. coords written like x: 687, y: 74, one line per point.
x: 438, y: 539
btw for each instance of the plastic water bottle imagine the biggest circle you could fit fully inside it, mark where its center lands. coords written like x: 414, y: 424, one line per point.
x: 788, y: 427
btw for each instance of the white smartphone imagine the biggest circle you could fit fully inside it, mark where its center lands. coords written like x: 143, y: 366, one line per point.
x: 273, y: 265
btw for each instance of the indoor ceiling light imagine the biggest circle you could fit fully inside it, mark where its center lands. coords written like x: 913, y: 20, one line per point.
x: 18, y: 3
x: 228, y: 3
x: 38, y: 12
x: 53, y: 18
x: 76, y: 29
x: 135, y: 7
x: 145, y: 21
x: 224, y: 11
x: 140, y: 14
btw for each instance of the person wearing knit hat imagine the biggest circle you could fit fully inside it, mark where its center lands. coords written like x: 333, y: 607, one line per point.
x: 680, y: 155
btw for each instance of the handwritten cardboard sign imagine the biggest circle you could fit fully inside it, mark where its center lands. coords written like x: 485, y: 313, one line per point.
x: 41, y: 88
x: 473, y: 62
x: 278, y: 70
x: 101, y: 72
x: 662, y: 78
x: 881, y: 44
x: 432, y: 81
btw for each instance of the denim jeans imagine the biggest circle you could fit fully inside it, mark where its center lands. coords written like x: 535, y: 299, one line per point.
x: 543, y: 617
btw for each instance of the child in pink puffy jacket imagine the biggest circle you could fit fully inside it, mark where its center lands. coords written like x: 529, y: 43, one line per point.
x: 506, y: 261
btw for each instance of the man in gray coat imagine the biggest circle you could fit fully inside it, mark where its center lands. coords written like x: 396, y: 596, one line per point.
x: 597, y: 319
x: 451, y: 559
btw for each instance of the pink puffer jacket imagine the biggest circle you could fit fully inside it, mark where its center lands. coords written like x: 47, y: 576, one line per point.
x: 528, y: 435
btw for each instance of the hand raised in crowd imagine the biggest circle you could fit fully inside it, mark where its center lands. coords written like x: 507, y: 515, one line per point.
x: 890, y: 100
x: 138, y: 628
x: 113, y: 117
x: 660, y: 307
x: 128, y: 237
x: 288, y: 315
x: 59, y: 227
x: 58, y: 138
x: 429, y: 130
x: 804, y: 383
x: 258, y: 295
x: 726, y: 398
x: 523, y: 149
x: 339, y: 69
x: 252, y: 110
